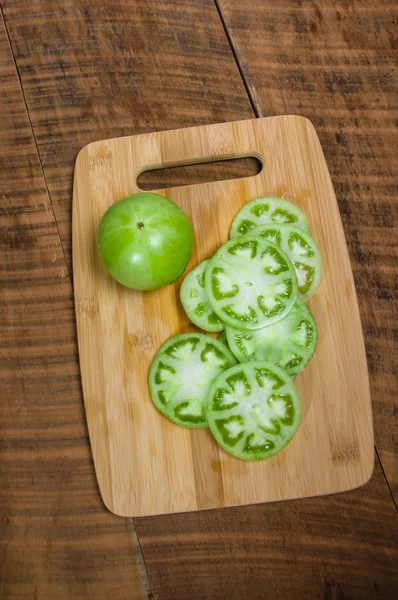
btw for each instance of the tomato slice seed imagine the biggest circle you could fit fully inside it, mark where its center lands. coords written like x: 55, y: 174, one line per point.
x: 290, y: 343
x: 253, y: 410
x: 267, y: 211
x: 251, y: 283
x: 182, y: 373
x: 195, y: 301
x: 301, y: 249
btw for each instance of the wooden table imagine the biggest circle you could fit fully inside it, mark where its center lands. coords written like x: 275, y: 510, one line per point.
x: 75, y: 71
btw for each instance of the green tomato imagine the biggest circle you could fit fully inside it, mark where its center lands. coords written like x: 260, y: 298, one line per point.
x: 195, y: 301
x: 253, y: 410
x: 182, y: 373
x: 145, y: 241
x: 289, y: 343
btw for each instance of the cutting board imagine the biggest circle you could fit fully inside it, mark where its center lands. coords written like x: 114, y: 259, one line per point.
x: 145, y: 464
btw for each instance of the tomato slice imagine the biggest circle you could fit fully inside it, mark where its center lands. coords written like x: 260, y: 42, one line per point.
x: 266, y: 210
x: 251, y: 283
x: 195, y: 301
x: 302, y: 250
x: 182, y: 373
x: 223, y: 337
x: 253, y: 410
x: 290, y: 343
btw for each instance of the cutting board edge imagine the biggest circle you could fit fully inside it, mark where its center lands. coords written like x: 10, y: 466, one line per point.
x: 163, y: 132
x: 326, y: 492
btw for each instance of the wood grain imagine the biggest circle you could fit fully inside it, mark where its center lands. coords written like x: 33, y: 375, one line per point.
x: 337, y: 548
x: 56, y: 538
x: 335, y: 63
x: 93, y: 70
x: 144, y: 463
x: 71, y: 62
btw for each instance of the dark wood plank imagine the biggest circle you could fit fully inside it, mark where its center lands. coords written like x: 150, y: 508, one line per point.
x: 56, y: 538
x: 93, y: 70
x: 335, y: 63
x: 337, y: 547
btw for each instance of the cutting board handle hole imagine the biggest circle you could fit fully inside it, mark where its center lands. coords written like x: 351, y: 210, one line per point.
x: 196, y: 173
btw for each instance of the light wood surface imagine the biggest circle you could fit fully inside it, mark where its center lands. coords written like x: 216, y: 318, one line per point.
x: 145, y: 464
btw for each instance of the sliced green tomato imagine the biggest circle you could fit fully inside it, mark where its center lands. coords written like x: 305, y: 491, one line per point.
x: 195, y: 301
x: 302, y: 251
x: 223, y: 338
x: 266, y: 210
x: 250, y: 283
x: 182, y: 373
x: 290, y: 343
x: 253, y: 410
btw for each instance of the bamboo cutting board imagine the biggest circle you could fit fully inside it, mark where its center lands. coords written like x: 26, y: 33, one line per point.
x: 145, y: 464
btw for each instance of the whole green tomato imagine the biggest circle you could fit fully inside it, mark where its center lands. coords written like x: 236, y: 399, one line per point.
x: 145, y: 241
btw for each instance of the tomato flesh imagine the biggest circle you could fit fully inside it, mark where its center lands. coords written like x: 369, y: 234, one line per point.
x: 302, y: 250
x: 250, y: 283
x: 267, y: 210
x: 223, y: 337
x: 182, y: 373
x: 196, y: 302
x: 253, y: 410
x: 290, y: 343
